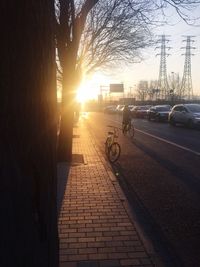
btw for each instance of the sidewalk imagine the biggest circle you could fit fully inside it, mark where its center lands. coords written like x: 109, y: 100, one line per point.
x: 96, y: 228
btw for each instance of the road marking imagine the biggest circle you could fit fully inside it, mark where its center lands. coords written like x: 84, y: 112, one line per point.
x: 164, y: 140
x: 169, y: 142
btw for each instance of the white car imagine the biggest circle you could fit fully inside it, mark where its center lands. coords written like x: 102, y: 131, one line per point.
x: 119, y: 108
x: 187, y: 114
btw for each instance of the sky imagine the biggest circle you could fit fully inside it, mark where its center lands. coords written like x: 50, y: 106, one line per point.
x: 148, y: 69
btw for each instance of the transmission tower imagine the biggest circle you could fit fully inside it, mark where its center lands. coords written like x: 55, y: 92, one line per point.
x: 186, y: 84
x: 162, y: 86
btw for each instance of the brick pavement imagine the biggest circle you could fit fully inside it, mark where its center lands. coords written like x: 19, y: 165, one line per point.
x: 95, y: 225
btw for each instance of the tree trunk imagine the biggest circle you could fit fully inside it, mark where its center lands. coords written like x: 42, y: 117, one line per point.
x: 66, y: 132
x: 71, y: 81
x: 28, y: 117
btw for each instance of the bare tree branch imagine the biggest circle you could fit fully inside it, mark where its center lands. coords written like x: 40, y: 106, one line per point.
x: 97, y: 33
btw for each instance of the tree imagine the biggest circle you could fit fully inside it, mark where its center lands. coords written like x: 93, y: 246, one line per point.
x: 113, y: 34
x: 174, y: 85
x: 94, y: 33
x: 28, y: 226
x: 142, y: 90
x: 152, y: 91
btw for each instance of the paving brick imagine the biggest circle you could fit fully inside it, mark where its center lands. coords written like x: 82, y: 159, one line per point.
x: 118, y: 228
x: 124, y: 224
x: 111, y: 233
x: 86, y: 239
x: 114, y: 243
x: 63, y: 245
x: 84, y: 221
x: 78, y: 245
x: 94, y: 234
x: 87, y: 250
x: 67, y: 230
x: 106, y: 249
x: 102, y: 229
x: 104, y: 238
x: 96, y: 244
x: 122, y: 238
x: 94, y: 227
x: 119, y: 255
x: 129, y: 233
x: 125, y: 249
x: 88, y: 264
x: 68, y: 240
x: 130, y: 262
x: 109, y: 263
x: 137, y: 254
x: 78, y: 257
x: 98, y: 256
x: 68, y: 251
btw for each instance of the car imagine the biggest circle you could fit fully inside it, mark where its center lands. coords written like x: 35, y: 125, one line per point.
x: 159, y: 113
x: 119, y: 108
x: 110, y: 109
x: 131, y: 107
x: 187, y: 114
x: 140, y: 111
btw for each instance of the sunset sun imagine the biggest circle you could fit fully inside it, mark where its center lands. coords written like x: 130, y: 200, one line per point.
x: 90, y: 89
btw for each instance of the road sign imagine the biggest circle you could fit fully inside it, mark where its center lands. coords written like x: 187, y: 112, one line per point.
x: 117, y: 88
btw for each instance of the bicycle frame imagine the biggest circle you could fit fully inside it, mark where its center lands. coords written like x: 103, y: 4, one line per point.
x: 128, y: 129
x: 112, y: 136
x: 112, y: 148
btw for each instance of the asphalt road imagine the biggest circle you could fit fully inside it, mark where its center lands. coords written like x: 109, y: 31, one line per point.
x: 159, y: 170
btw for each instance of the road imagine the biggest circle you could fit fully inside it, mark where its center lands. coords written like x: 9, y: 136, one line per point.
x: 160, y: 174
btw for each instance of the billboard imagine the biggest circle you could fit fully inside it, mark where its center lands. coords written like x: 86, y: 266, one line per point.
x: 116, y: 88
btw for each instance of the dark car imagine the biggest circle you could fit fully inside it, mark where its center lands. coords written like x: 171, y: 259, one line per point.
x: 159, y: 113
x: 140, y: 111
x: 110, y: 109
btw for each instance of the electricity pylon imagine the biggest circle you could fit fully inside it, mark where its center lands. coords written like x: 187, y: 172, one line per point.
x: 163, y: 86
x: 186, y: 84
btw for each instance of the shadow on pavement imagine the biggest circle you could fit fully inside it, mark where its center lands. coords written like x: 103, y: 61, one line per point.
x: 62, y: 176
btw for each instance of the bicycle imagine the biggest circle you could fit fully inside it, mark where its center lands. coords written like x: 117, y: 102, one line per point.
x: 128, y: 129
x: 112, y: 148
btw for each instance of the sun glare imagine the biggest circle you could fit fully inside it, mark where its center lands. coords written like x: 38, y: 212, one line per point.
x: 90, y: 89
x: 59, y: 95
x: 84, y: 93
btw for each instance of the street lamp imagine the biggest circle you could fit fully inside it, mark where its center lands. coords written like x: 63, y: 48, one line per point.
x: 173, y: 87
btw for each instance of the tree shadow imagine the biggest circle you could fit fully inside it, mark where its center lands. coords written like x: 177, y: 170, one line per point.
x: 62, y: 177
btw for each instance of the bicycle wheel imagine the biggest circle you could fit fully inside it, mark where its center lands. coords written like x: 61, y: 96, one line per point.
x: 114, y: 152
x: 131, y: 132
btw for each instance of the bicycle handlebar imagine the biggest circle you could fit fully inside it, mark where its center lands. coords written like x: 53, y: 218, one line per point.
x: 115, y: 130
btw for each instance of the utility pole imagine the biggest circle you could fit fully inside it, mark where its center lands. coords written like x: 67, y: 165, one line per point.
x: 162, y: 85
x: 186, y: 84
x: 130, y: 91
x: 103, y: 88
